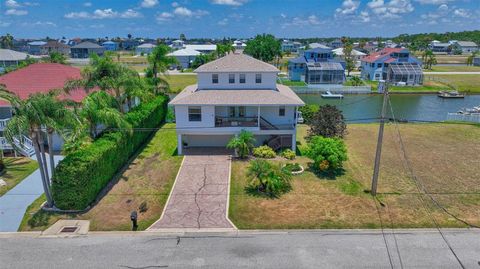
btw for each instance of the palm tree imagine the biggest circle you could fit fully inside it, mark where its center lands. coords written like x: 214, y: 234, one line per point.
x: 28, y: 119
x: 429, y: 59
x: 471, y: 57
x: 243, y: 143
x: 159, y: 63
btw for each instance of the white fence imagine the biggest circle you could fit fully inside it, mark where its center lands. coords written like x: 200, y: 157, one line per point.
x: 464, y: 117
x: 333, y: 89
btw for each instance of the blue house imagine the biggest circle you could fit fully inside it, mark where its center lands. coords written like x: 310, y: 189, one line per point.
x: 402, y: 66
x: 110, y: 45
x: 35, y: 47
x: 317, y: 66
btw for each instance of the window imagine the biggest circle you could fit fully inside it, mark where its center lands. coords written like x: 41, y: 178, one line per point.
x: 231, y: 78
x: 242, y: 78
x: 194, y: 113
x: 281, y: 111
x: 258, y: 78
x: 214, y: 78
x: 379, y: 65
x: 231, y: 112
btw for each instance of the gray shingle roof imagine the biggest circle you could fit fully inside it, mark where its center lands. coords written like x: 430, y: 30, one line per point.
x: 87, y: 45
x: 466, y: 43
x: 234, y: 62
x: 11, y: 55
x: 283, y: 95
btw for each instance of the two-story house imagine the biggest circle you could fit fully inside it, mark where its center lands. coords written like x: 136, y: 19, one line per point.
x: 235, y: 93
x: 317, y: 66
x: 404, y: 67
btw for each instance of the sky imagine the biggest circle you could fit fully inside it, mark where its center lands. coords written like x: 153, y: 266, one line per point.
x: 235, y: 18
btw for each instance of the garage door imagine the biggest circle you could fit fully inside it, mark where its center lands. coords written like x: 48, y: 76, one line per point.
x: 207, y: 140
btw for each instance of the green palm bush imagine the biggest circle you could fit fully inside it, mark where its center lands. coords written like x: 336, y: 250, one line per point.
x: 242, y: 144
x: 269, y: 179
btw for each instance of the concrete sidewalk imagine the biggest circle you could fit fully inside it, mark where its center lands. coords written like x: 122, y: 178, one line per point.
x: 14, y: 203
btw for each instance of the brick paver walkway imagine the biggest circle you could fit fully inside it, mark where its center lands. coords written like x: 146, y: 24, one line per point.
x: 200, y: 195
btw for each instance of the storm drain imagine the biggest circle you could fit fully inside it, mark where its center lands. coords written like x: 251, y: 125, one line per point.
x: 69, y: 229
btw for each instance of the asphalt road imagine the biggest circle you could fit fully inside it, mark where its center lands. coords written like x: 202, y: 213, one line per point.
x: 309, y: 249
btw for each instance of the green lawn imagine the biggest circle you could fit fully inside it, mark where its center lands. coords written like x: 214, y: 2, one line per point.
x: 443, y: 157
x: 179, y: 82
x: 462, y: 68
x: 287, y: 82
x: 146, y: 180
x: 17, y: 169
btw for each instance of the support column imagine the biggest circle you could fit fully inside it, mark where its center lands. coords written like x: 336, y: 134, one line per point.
x: 258, y: 120
x: 294, y: 141
x: 179, y: 144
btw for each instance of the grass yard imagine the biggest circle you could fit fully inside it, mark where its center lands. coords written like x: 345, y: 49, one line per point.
x: 17, y: 169
x: 147, y: 179
x: 464, y: 83
x: 444, y: 158
x: 454, y: 68
x: 179, y: 82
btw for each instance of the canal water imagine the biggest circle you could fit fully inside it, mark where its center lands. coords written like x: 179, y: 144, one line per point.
x: 421, y: 107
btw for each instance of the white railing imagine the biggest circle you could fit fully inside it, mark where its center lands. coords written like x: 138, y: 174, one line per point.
x: 464, y: 117
x: 3, y: 123
x: 24, y: 145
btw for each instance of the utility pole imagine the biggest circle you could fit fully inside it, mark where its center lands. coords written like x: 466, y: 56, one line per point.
x: 378, y: 154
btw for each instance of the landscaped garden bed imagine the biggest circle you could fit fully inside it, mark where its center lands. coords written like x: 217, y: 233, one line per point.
x: 443, y: 157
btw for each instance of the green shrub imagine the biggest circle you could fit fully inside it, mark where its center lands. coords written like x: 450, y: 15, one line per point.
x: 268, y: 179
x: 264, y: 152
x: 308, y: 111
x: 79, y: 178
x: 294, y: 167
x: 288, y: 154
x: 243, y: 143
x: 328, y: 154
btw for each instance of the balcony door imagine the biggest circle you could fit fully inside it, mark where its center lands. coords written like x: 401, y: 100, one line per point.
x: 236, y: 111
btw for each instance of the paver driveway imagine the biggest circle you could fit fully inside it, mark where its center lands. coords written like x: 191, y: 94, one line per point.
x: 199, y: 198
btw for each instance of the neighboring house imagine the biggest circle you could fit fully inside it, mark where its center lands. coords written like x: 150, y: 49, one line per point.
x: 466, y: 47
x: 110, y: 45
x: 318, y: 45
x: 439, y: 47
x: 69, y: 42
x: 35, y: 47
x: 177, y: 44
x: 234, y: 93
x: 337, y: 43
x: 10, y: 58
x: 239, y: 45
x: 185, y: 57
x: 55, y: 46
x: 356, y: 55
x: 376, y: 65
x: 476, y: 61
x: 36, y: 78
x: 84, y: 49
x: 290, y: 46
x: 317, y: 66
x: 144, y: 49
x: 130, y: 44
x: 206, y: 48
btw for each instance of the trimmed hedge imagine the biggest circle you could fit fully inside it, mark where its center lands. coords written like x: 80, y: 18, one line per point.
x: 79, y: 178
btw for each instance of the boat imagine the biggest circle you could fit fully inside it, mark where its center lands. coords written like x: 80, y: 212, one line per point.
x: 329, y: 94
x: 470, y: 111
x: 450, y: 94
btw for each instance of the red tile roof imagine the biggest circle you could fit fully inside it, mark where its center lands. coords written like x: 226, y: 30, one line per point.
x: 376, y: 55
x: 41, y: 77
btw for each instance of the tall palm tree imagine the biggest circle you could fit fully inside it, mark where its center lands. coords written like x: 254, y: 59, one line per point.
x: 28, y: 119
x: 243, y: 143
x: 159, y: 62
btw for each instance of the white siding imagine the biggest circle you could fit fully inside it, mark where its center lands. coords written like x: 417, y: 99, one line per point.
x: 269, y: 81
x: 208, y: 117
x: 271, y: 114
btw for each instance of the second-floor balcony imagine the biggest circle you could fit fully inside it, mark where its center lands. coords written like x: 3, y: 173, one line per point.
x: 236, y: 121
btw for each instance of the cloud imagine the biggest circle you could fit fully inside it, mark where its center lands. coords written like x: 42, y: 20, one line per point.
x: 392, y: 9
x: 433, y: 2
x: 223, y: 22
x: 12, y: 4
x: 149, y: 3
x: 348, y: 7
x: 164, y: 16
x: 107, y: 13
x: 185, y: 12
x: 4, y: 24
x: 87, y: 4
x: 16, y: 12
x: 40, y: 23
x: 229, y: 2
x: 175, y: 4
x: 463, y: 13
x: 311, y: 20
x: 364, y: 16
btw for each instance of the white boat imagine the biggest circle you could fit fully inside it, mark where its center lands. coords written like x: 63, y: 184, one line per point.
x: 329, y: 94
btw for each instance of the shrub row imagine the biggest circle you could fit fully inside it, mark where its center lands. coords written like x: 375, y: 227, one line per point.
x: 79, y: 178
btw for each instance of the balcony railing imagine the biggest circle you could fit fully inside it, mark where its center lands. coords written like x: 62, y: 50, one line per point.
x: 236, y: 122
x: 3, y: 123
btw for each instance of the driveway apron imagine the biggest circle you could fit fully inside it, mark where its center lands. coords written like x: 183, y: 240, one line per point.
x: 199, y: 198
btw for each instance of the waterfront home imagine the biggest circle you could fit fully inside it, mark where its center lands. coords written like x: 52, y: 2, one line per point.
x: 376, y: 66
x: 239, y: 45
x: 337, y: 43
x: 110, y: 45
x: 476, y: 61
x: 177, y: 44
x: 466, y: 47
x: 10, y: 58
x: 440, y: 47
x: 55, y: 46
x: 290, y: 46
x: 35, y: 47
x: 234, y: 93
x: 185, y: 57
x: 356, y: 55
x: 84, y: 49
x: 36, y: 78
x: 317, y: 66
x: 144, y: 49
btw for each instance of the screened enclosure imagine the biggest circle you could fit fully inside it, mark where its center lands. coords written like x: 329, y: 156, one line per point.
x: 325, y: 73
x: 408, y: 73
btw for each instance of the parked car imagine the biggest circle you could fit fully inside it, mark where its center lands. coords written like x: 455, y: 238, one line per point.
x: 299, y: 117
